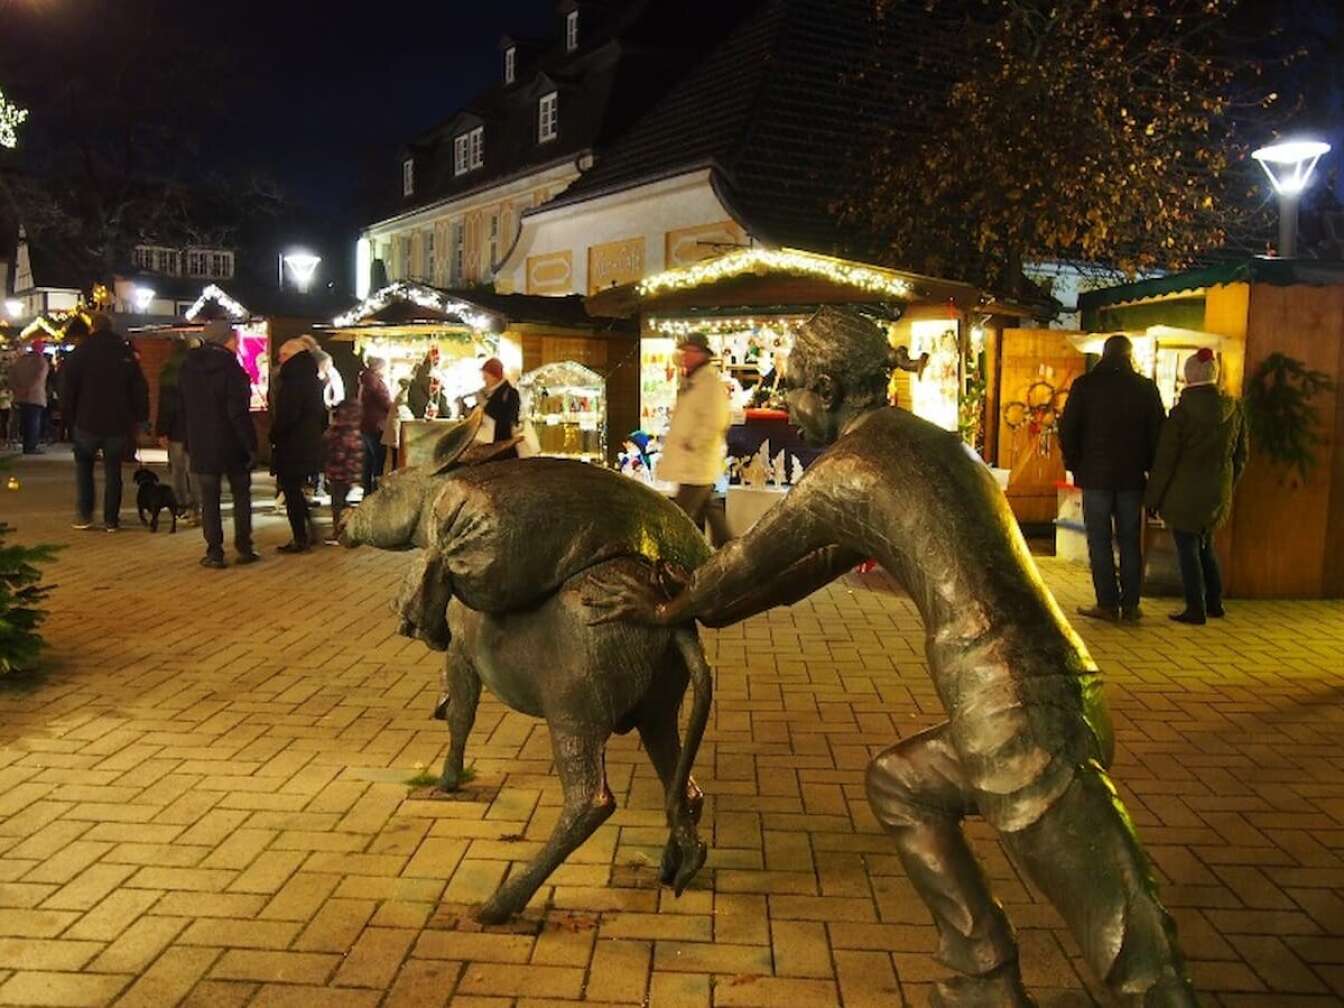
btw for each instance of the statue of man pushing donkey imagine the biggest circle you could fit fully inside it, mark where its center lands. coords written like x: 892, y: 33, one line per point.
x: 573, y: 594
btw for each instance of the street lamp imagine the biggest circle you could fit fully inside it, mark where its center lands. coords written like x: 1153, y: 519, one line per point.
x: 302, y: 266
x: 14, y: 307
x: 1289, y: 167
x: 144, y: 297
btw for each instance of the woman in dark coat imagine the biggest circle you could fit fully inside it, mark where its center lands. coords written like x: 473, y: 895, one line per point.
x: 296, y: 437
x: 1200, y: 457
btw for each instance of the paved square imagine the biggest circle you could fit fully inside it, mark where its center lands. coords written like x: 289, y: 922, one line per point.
x: 205, y: 802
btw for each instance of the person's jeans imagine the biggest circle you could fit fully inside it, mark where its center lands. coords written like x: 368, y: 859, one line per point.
x: 30, y: 426
x: 1200, y: 575
x: 296, y: 507
x: 1111, y: 518
x: 695, y: 501
x: 339, y: 493
x: 184, y: 480
x: 375, y: 455
x: 87, y: 447
x: 209, y: 486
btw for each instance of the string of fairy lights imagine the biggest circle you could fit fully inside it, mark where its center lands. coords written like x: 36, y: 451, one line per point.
x: 418, y: 294
x: 759, y: 261
x: 214, y: 293
x: 11, y: 118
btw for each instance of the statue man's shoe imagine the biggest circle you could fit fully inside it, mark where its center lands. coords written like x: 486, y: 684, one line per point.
x: 1000, y: 989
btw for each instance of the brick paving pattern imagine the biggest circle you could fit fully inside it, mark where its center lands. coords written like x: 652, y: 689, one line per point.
x: 205, y: 803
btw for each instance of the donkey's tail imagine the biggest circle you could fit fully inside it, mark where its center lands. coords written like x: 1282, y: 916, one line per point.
x: 681, y: 817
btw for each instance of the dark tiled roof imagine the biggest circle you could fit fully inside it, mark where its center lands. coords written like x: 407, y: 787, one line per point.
x: 630, y: 53
x: 783, y: 106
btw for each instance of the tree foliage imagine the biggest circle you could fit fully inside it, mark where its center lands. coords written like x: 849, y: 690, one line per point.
x: 1107, y: 131
x: 21, y: 596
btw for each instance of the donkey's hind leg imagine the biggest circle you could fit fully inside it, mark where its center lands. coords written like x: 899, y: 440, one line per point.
x: 588, y: 802
x: 462, y: 695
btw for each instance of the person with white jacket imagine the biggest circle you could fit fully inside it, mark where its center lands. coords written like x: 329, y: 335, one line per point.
x: 696, y: 442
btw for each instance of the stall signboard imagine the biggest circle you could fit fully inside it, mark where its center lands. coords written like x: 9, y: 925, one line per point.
x: 255, y: 357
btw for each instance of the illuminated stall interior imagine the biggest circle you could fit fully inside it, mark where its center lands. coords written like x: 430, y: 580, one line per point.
x: 749, y: 303
x: 404, y: 322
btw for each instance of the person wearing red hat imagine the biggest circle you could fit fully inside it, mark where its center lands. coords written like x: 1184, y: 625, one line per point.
x: 501, y: 406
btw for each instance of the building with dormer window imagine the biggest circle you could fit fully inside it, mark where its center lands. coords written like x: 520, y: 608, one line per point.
x: 465, y: 183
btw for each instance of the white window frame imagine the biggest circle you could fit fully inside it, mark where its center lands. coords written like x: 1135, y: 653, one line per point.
x: 404, y: 257
x: 408, y: 177
x: 459, y: 239
x: 221, y: 265
x: 548, y: 117
x: 427, y: 244
x: 476, y: 148
x: 510, y: 64
x: 461, y: 150
x: 196, y: 263
x: 571, y: 31
x: 493, y: 245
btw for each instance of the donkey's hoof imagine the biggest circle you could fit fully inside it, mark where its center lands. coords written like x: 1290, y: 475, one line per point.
x: 690, y: 866
x: 496, y: 911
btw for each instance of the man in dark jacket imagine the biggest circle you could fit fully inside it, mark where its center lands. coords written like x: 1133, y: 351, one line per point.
x: 297, y: 419
x: 105, y: 397
x: 1109, y: 434
x: 221, y: 441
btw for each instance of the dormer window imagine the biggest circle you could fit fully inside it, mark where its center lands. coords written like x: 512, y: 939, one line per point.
x: 469, y: 151
x: 548, y: 117
x: 408, y: 177
x: 571, y: 31
x: 510, y: 64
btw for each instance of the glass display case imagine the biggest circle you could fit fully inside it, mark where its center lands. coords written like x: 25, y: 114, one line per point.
x: 566, y: 404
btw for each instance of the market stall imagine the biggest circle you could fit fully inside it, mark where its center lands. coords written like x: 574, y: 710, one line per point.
x: 749, y: 303
x: 431, y: 335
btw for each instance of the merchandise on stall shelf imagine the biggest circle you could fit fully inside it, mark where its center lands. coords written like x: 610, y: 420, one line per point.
x: 565, y: 403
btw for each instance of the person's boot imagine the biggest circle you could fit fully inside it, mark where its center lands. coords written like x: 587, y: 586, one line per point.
x: 1186, y: 616
x: 1001, y: 988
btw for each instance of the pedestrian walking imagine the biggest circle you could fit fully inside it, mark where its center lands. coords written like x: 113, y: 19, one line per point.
x: 105, y: 397
x: 28, y: 383
x: 375, y: 404
x: 221, y: 443
x: 1108, y: 433
x: 296, y: 437
x: 696, y: 443
x: 1200, y: 457
x: 170, y: 426
x: 343, y: 462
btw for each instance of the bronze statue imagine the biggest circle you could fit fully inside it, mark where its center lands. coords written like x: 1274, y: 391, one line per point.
x: 1027, y: 738
x: 512, y: 547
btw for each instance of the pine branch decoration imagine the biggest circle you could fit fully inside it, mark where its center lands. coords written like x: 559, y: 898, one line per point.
x: 22, y: 595
x: 1283, y: 422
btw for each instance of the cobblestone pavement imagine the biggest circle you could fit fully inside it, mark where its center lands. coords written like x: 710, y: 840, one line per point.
x: 205, y: 803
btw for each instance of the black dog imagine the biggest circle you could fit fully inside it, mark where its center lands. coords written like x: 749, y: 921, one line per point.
x: 154, y: 497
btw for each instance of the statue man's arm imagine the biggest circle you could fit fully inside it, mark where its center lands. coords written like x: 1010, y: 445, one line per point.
x: 791, y: 552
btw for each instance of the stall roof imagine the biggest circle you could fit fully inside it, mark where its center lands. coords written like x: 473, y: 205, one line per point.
x: 776, y: 278
x: 1280, y: 272
x: 406, y: 304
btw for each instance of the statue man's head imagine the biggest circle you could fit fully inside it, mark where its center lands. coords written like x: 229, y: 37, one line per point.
x: 840, y: 368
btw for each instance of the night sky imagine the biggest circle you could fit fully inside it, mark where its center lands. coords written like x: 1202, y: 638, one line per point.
x: 316, y: 94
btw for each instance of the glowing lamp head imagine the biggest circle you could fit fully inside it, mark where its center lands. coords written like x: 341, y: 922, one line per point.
x: 1289, y: 165
x: 13, y: 307
x: 302, y: 266
x: 144, y: 297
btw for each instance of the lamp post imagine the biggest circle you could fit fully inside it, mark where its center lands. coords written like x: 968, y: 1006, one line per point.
x: 1289, y: 167
x: 302, y: 266
x: 144, y: 297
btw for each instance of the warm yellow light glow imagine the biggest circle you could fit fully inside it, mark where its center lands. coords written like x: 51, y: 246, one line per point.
x: 763, y: 261
x: 419, y: 294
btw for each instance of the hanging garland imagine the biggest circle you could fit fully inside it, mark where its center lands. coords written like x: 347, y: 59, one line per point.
x: 1283, y: 423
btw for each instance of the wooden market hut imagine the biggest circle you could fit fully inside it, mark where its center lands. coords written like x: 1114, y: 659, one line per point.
x: 760, y: 283
x: 1286, y: 535
x: 529, y: 330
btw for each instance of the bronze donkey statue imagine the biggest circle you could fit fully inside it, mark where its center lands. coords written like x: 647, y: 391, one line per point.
x: 511, y: 547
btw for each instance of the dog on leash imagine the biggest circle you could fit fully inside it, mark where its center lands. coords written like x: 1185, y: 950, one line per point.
x: 153, y: 498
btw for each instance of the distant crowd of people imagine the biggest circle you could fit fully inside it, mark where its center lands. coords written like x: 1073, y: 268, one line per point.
x: 321, y: 435
x: 1127, y: 455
